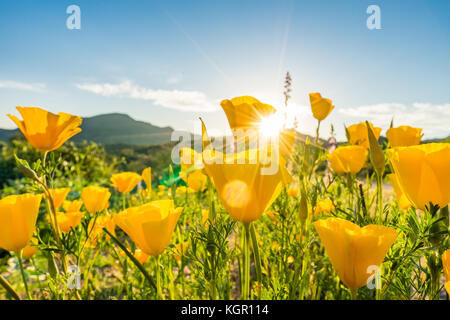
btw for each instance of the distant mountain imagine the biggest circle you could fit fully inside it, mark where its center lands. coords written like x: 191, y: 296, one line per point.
x: 114, y: 128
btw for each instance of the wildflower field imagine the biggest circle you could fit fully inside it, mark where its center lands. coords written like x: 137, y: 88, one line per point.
x: 263, y: 215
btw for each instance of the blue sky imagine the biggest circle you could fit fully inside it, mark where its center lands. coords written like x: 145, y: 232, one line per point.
x: 169, y: 62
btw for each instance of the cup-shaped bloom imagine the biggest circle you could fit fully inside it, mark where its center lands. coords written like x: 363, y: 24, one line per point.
x: 147, y: 178
x: 96, y: 226
x: 446, y: 265
x: 190, y: 160
x: 30, y: 250
x: 146, y: 175
x: 404, y: 136
x: 192, y: 169
x: 324, y: 206
x: 354, y: 251
x: 125, y: 182
x: 151, y: 225
x: 423, y: 173
x: 197, y: 180
x: 348, y: 159
x: 72, y: 206
x: 247, y: 182
x: 18, y: 215
x: 357, y: 134
x: 46, y: 131
x: 68, y: 220
x: 95, y: 199
x: 182, y: 190
x: 245, y: 111
x: 402, y: 200
x: 321, y: 107
x: 59, y: 195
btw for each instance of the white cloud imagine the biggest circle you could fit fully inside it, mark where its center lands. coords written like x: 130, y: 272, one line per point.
x: 36, y: 87
x: 432, y: 118
x: 173, y: 99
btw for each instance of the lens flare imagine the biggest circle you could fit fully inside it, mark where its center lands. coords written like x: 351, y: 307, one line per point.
x: 271, y: 126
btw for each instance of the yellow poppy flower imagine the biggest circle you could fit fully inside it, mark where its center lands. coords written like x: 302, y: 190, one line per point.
x: 446, y: 265
x: 147, y: 177
x: 191, y: 169
x: 95, y: 199
x: 245, y: 111
x: 30, y: 250
x: 197, y: 180
x: 348, y: 159
x: 46, y: 131
x: 58, y: 196
x: 72, y: 206
x: 18, y: 215
x: 96, y: 230
x: 320, y: 107
x: 183, y: 190
x: 69, y: 220
x: 352, y: 249
x: 243, y: 190
x: 358, y: 134
x: 190, y: 159
x: 125, y: 182
x: 404, y: 136
x: 141, y: 256
x: 293, y: 191
x: 324, y: 206
x: 423, y: 173
x: 402, y: 200
x: 151, y: 225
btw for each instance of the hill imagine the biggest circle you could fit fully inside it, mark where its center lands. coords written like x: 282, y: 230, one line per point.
x: 114, y: 128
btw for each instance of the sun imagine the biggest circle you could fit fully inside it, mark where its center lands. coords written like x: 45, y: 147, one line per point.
x: 271, y: 126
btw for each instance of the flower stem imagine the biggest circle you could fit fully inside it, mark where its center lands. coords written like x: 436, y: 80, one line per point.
x: 380, y: 196
x: 132, y: 258
x: 257, y: 258
x: 5, y: 284
x: 158, y: 278
x: 354, y: 293
x: 22, y: 271
x: 246, y: 273
x: 317, y: 132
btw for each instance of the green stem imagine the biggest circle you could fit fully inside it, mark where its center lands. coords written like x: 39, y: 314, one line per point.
x: 257, y: 258
x: 380, y: 196
x: 22, y: 271
x: 5, y: 284
x: 52, y: 212
x: 354, y: 293
x: 132, y: 258
x: 317, y: 132
x: 246, y: 273
x: 158, y: 278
